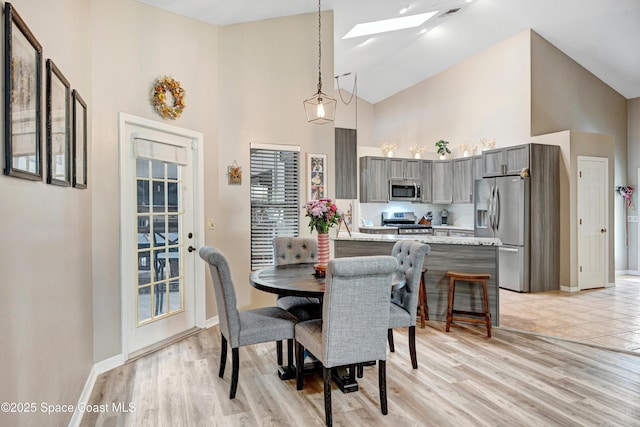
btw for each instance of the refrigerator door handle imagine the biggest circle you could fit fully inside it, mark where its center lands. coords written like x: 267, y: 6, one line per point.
x: 491, y: 209
x: 497, y: 208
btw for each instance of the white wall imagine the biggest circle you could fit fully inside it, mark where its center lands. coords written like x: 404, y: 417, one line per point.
x: 633, y: 153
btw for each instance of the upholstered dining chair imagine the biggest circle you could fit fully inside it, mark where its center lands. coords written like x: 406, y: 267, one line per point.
x: 346, y: 336
x: 296, y: 250
x: 241, y: 328
x: 404, y: 301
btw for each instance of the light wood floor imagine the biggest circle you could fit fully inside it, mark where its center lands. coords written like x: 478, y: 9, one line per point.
x: 464, y: 379
x: 609, y: 317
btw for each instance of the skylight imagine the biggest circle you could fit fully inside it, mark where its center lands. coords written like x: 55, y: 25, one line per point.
x: 387, y: 25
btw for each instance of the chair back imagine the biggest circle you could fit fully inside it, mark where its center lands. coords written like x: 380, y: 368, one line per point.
x: 355, y: 314
x: 410, y: 256
x: 295, y: 250
x: 228, y: 314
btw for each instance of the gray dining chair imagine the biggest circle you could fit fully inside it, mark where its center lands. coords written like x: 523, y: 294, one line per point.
x: 296, y: 250
x: 404, y: 301
x: 346, y: 336
x: 241, y: 328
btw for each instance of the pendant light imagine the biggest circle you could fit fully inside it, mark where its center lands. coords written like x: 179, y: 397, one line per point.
x: 320, y: 107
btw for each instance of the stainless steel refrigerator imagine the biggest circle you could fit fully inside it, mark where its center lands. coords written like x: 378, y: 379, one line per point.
x: 502, y: 211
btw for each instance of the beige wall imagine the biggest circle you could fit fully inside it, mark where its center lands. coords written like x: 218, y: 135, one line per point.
x: 46, y: 322
x: 564, y: 95
x: 485, y: 96
x: 132, y: 45
x: 633, y: 153
x: 267, y: 68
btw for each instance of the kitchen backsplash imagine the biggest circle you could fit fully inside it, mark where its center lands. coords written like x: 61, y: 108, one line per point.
x: 460, y: 215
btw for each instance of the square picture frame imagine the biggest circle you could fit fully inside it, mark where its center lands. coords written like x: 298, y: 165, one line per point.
x: 58, y: 127
x: 79, y: 138
x: 22, y: 98
x: 316, y: 176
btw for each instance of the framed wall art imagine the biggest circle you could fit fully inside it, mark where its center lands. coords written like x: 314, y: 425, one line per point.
x: 58, y: 132
x: 79, y: 138
x: 317, y: 176
x: 22, y: 96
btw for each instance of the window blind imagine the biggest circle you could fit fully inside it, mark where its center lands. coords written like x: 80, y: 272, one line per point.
x: 275, y: 200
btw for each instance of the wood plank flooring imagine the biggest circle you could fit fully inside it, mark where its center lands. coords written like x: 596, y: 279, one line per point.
x: 464, y: 379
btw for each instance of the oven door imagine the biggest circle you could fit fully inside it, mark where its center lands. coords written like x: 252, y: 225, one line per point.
x: 404, y: 190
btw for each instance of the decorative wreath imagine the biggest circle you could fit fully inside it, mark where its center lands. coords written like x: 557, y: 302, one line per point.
x: 159, y: 98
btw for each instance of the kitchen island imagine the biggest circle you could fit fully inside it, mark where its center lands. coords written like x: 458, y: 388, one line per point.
x: 466, y: 254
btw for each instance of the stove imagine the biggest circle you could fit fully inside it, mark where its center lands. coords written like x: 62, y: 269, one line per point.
x: 404, y: 223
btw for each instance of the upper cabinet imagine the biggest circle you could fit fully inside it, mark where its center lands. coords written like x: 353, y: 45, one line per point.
x: 374, y: 179
x: 426, y: 178
x: 404, y: 168
x: 346, y: 141
x: 505, y: 161
x: 478, y: 169
x: 463, y: 180
x: 441, y: 185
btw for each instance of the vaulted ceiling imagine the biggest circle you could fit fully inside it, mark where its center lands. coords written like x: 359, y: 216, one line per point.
x: 601, y: 35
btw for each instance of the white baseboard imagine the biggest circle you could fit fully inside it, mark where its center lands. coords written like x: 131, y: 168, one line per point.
x: 628, y: 272
x: 98, y: 368
x: 212, y: 321
x: 569, y: 288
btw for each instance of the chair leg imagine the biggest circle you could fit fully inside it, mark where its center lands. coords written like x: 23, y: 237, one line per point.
x: 326, y: 377
x: 299, y: 366
x: 382, y: 385
x: 390, y: 339
x: 360, y: 370
x: 223, y: 356
x: 452, y: 286
x: 235, y: 363
x: 412, y: 346
x: 486, y: 308
x: 290, y: 352
x: 279, y: 352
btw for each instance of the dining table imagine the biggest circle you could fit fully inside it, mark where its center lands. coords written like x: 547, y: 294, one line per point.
x: 304, y: 281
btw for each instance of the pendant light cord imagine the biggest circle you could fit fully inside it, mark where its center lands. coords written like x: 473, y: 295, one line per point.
x: 319, y: 50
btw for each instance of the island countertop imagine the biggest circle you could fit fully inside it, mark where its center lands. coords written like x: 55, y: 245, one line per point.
x: 423, y: 238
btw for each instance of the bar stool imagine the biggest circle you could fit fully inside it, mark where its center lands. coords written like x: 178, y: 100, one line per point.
x: 423, y: 307
x: 468, y: 277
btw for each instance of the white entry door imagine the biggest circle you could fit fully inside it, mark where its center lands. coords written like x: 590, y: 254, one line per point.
x: 593, y: 220
x: 159, y: 205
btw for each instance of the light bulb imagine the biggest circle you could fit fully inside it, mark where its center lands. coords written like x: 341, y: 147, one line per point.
x: 320, y: 111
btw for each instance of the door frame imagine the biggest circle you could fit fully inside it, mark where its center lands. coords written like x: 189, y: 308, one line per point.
x: 605, y: 162
x: 126, y: 229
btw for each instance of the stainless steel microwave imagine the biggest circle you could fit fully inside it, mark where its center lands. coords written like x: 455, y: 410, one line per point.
x: 405, y: 190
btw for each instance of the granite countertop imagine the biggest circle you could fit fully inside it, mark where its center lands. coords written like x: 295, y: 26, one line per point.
x: 366, y: 237
x: 453, y: 227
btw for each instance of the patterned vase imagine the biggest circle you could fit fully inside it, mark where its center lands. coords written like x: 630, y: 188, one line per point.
x: 323, y: 251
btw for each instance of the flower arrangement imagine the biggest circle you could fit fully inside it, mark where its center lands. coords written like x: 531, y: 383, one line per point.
x: 416, y: 151
x: 388, y: 148
x: 159, y: 98
x: 442, y: 147
x: 323, y: 214
x: 487, y: 144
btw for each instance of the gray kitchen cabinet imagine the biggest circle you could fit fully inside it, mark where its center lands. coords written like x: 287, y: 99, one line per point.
x: 462, y: 180
x: 441, y: 232
x: 346, y: 159
x: 441, y: 184
x: 404, y: 168
x: 374, y: 179
x: 505, y: 161
x: 478, y: 170
x: 426, y: 178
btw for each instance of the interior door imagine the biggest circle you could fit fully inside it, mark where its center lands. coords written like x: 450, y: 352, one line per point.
x: 593, y: 247
x: 158, y: 235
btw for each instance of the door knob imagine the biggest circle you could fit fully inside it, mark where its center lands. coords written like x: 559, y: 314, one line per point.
x: 603, y: 230
x: 191, y: 249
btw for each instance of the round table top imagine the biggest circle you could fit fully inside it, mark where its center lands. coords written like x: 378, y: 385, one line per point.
x: 299, y: 280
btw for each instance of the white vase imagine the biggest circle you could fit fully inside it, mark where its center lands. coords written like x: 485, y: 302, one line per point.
x: 389, y: 153
x: 443, y: 157
x: 465, y: 153
x: 417, y: 156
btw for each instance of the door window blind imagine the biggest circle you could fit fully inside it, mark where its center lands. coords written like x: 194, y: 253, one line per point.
x: 275, y: 199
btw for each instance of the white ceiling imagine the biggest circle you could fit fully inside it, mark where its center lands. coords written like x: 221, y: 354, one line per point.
x: 602, y: 35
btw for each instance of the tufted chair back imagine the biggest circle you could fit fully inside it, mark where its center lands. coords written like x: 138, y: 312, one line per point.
x: 410, y: 256
x: 295, y: 250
